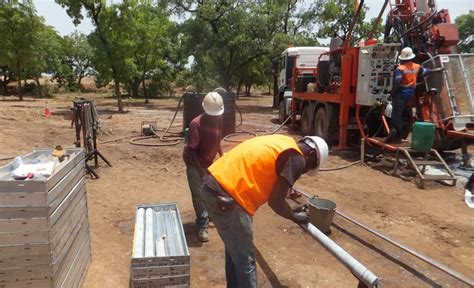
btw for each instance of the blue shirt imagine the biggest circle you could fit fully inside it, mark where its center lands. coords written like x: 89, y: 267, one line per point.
x: 407, y: 92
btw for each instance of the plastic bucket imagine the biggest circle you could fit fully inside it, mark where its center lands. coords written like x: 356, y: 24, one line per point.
x: 422, y: 136
x: 321, y: 212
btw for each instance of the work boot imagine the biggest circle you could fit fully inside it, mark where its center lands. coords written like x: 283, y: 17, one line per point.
x: 203, y: 235
x: 391, y: 137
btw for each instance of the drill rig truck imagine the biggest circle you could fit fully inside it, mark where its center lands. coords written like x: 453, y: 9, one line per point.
x: 350, y: 88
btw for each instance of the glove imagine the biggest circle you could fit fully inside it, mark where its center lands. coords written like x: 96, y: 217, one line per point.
x: 293, y: 195
x: 301, y: 217
x: 225, y: 203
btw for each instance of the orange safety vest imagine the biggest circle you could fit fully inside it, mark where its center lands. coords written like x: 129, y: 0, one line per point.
x: 248, y: 171
x: 410, y: 72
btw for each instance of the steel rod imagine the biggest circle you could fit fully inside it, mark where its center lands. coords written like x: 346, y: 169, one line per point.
x: 407, y: 249
x: 359, y: 270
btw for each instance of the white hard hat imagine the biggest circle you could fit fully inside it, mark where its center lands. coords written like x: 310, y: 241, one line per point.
x: 388, y: 110
x: 322, y: 151
x: 213, y: 104
x: 406, y: 54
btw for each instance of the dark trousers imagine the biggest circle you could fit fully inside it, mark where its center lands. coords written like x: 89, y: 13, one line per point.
x: 234, y: 226
x: 399, y: 112
x: 195, y: 185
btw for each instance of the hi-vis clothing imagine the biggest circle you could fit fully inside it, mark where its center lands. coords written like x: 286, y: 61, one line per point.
x: 406, y: 75
x: 248, y: 172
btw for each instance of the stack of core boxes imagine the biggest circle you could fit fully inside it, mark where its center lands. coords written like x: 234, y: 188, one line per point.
x: 160, y: 256
x: 44, y: 229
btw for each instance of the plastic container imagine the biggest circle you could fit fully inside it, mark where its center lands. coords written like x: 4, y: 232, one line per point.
x: 321, y: 212
x: 422, y: 136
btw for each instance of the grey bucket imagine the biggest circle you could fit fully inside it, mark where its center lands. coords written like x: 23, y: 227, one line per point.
x: 321, y: 212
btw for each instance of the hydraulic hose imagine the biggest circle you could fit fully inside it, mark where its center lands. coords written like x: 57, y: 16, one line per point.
x: 227, y: 138
x: 165, y: 141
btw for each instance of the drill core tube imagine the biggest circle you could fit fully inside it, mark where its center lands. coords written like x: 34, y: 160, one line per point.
x: 360, y: 271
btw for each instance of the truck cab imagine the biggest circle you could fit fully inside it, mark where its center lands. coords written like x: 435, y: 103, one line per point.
x: 303, y: 58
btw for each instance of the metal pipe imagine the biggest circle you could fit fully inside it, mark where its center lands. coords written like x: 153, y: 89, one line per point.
x: 405, y: 248
x: 359, y: 270
x: 377, y: 21
x: 347, y: 40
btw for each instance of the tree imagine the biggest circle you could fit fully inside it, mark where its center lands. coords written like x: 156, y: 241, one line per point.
x: 19, y: 29
x: 109, y: 57
x: 46, y: 55
x: 465, y: 24
x: 336, y: 18
x: 147, y: 30
x: 226, y: 37
x: 78, y: 55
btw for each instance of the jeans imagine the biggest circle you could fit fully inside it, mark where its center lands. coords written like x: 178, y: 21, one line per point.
x: 399, y: 111
x: 195, y: 185
x: 234, y: 226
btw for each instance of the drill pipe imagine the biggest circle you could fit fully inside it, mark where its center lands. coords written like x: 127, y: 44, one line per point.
x: 360, y: 271
x: 432, y: 262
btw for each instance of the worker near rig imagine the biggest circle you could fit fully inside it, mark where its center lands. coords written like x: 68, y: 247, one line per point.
x: 257, y: 171
x: 404, y: 83
x: 202, y: 145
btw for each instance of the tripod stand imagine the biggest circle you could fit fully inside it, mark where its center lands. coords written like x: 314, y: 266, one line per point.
x: 86, y: 122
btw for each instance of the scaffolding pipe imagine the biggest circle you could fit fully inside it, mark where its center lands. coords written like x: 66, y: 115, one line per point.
x: 360, y: 271
x: 405, y: 248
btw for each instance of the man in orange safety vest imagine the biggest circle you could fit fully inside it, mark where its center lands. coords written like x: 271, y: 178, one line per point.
x: 257, y: 171
x: 404, y: 83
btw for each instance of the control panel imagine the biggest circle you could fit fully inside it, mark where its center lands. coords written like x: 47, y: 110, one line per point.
x: 375, y: 73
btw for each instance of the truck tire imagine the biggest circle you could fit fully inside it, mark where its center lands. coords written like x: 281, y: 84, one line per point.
x: 282, y: 112
x: 321, y: 123
x: 306, y: 128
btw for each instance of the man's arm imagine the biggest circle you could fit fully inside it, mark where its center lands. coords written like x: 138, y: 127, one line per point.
x: 397, y: 80
x: 193, y: 158
x: 193, y: 143
x: 278, y: 203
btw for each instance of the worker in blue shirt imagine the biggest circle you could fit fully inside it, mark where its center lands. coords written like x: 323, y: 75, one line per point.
x: 404, y: 83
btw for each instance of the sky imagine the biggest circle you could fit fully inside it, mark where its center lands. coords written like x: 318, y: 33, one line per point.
x: 57, y: 17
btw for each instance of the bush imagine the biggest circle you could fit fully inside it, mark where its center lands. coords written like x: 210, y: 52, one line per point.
x: 159, y: 89
x: 29, y: 87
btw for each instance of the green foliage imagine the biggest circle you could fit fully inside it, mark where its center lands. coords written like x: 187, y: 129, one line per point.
x: 336, y: 18
x: 465, y: 24
x: 77, y: 60
x: 19, y: 29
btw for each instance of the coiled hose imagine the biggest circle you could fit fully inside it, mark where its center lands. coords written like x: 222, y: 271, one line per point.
x: 165, y: 141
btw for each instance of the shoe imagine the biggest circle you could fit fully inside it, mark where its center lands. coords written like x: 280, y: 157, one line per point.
x: 391, y: 137
x: 203, y: 235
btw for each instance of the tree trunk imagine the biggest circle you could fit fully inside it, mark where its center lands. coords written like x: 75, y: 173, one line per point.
x: 18, y: 69
x: 145, y: 92
x: 135, y: 83
x: 238, y: 89
x: 38, y: 87
x: 79, y: 81
x: 276, y: 97
x: 5, y: 83
x: 118, y: 95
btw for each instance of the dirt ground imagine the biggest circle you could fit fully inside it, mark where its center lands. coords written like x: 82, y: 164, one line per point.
x: 435, y: 221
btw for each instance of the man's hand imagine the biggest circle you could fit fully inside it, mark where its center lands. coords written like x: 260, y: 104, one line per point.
x: 301, y: 217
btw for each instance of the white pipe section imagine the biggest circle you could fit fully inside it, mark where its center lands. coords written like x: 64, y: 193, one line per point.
x: 149, y: 243
x: 139, y: 234
x: 359, y: 270
x: 160, y: 246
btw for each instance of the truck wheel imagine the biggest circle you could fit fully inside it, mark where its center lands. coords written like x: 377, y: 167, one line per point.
x: 282, y: 112
x: 305, y: 125
x: 321, y: 123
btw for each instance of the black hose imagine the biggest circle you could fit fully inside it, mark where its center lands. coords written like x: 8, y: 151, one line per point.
x: 227, y: 138
x: 168, y: 141
x: 340, y: 167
